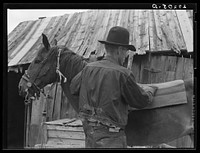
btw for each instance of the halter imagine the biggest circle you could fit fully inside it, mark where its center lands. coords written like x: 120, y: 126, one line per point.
x: 29, y: 84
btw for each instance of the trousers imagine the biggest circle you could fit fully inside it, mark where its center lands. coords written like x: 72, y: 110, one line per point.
x: 101, y: 137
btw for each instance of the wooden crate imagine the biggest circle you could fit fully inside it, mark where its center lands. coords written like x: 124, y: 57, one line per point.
x: 64, y: 133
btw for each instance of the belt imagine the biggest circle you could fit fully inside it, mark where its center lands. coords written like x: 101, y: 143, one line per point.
x: 110, y: 129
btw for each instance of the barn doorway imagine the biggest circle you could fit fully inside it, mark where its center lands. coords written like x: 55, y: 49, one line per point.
x: 15, y: 112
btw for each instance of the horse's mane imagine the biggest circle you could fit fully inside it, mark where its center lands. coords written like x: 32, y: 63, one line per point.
x: 70, y: 62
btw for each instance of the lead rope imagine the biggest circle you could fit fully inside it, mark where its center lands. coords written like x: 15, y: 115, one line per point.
x: 26, y: 102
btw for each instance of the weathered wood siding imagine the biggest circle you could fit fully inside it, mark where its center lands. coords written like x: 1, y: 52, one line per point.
x: 150, y: 30
x: 158, y: 69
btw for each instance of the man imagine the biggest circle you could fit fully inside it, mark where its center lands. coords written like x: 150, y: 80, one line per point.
x: 106, y: 89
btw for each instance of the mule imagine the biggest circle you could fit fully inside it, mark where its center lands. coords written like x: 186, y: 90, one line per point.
x: 60, y: 59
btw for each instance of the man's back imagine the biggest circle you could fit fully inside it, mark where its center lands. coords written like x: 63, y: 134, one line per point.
x: 101, y: 89
x: 105, y: 91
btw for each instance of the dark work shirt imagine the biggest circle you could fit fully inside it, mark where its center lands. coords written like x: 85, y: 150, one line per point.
x: 105, y: 90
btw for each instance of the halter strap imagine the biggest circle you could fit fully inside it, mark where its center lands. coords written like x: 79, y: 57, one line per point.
x: 58, y: 67
x: 27, y: 78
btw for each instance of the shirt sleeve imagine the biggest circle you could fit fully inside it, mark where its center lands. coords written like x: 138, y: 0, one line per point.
x: 134, y: 95
x: 75, y: 84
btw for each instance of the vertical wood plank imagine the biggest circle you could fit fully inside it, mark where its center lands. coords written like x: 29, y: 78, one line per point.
x: 103, y: 32
x: 179, y: 68
x: 157, y: 35
x: 92, y: 41
x: 152, y: 44
x: 190, y: 16
x: 144, y: 74
x: 163, y: 19
x: 177, y: 31
x: 188, y: 68
x: 65, y: 26
x: 170, y: 67
x: 187, y: 29
x: 86, y: 35
x: 71, y: 24
x: 135, y: 30
x: 57, y: 103
x: 131, y: 15
x: 143, y: 36
x: 36, y: 120
x: 136, y: 67
x: 157, y: 64
x: 50, y: 103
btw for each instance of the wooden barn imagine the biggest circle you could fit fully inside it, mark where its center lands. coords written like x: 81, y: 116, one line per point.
x: 163, y: 40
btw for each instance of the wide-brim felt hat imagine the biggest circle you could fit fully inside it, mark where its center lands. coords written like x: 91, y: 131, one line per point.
x: 118, y: 36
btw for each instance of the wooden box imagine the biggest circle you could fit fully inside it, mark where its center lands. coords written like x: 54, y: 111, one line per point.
x: 64, y: 133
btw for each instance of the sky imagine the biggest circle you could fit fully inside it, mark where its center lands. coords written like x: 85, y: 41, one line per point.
x: 15, y: 16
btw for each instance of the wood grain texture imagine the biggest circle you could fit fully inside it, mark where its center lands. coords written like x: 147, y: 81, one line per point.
x: 153, y: 30
x: 169, y: 93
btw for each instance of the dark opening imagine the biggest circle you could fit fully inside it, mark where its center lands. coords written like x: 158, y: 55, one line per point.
x: 15, y: 113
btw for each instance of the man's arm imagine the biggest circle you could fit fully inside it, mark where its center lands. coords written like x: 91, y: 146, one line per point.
x: 135, y: 96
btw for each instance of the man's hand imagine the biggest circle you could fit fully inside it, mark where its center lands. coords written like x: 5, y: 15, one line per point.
x: 152, y: 90
x: 148, y: 88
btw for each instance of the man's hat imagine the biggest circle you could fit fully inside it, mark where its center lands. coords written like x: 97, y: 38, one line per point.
x: 118, y: 36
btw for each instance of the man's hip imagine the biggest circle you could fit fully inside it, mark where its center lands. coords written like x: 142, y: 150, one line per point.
x: 101, y: 136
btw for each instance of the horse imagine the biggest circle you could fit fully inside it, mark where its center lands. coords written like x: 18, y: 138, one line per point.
x: 59, y: 63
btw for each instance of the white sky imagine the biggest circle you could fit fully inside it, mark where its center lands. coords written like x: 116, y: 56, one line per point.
x: 15, y: 16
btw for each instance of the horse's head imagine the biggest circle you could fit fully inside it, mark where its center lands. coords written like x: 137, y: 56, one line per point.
x: 46, y: 67
x: 42, y: 71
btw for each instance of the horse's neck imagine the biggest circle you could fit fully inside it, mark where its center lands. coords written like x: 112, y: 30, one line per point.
x: 73, y: 100
x: 71, y: 66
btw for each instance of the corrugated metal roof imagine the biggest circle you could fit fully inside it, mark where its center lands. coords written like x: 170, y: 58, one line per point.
x: 150, y: 30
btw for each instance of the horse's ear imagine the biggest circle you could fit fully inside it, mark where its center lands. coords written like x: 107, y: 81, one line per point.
x: 45, y: 42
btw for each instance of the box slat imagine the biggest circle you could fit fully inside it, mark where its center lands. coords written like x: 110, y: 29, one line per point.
x: 64, y: 128
x: 68, y: 142
x: 63, y: 133
x: 66, y: 134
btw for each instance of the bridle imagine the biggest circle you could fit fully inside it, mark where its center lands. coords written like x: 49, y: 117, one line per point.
x: 30, y: 84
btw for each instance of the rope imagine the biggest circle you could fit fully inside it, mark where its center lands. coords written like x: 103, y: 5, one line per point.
x: 58, y: 68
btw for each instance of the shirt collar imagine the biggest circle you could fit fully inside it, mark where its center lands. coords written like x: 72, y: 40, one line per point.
x: 110, y: 58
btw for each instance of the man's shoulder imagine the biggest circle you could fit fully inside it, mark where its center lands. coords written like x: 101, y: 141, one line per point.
x: 109, y: 65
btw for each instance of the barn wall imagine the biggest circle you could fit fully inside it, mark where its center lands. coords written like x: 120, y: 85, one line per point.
x: 158, y: 69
